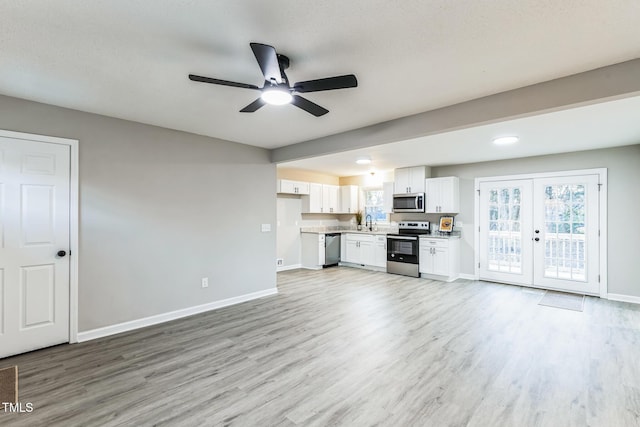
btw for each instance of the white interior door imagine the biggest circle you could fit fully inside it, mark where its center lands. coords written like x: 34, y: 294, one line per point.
x: 566, y: 233
x: 506, y: 222
x: 34, y: 227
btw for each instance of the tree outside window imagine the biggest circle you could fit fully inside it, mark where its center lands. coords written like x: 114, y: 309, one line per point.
x: 374, y: 205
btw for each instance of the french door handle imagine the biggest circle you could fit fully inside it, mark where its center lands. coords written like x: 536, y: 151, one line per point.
x: 537, y: 239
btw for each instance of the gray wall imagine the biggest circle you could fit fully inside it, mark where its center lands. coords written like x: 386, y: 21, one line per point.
x: 623, y: 164
x: 159, y: 210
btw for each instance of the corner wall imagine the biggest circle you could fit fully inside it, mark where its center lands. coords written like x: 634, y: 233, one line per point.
x: 159, y: 210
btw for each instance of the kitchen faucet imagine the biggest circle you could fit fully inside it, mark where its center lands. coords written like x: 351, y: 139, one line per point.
x: 368, y: 221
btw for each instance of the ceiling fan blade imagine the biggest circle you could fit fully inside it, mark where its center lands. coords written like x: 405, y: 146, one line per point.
x: 330, y: 83
x: 308, y: 106
x: 268, y: 61
x: 221, y: 82
x: 255, y: 105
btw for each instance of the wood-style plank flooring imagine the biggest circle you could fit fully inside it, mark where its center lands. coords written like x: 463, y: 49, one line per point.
x: 351, y: 347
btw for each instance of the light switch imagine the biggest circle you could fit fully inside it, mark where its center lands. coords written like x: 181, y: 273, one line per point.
x: 266, y: 228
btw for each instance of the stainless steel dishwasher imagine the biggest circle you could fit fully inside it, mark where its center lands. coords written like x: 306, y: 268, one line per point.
x: 331, y: 249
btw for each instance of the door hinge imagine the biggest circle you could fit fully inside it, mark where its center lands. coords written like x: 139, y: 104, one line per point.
x: 599, y: 186
x: 598, y: 278
x: 478, y: 192
x: 478, y: 265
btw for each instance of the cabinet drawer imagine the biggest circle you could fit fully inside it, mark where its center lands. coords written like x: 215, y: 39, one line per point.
x: 360, y: 237
x: 434, y: 243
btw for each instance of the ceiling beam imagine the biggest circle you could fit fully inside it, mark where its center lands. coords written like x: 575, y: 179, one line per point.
x: 590, y: 87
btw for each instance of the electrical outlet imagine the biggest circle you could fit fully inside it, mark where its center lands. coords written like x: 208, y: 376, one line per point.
x: 279, y: 262
x: 205, y: 282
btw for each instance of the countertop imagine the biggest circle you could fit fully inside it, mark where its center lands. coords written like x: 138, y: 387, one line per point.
x: 384, y: 232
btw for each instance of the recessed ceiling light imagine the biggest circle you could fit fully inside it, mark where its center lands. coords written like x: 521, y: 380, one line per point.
x: 504, y: 140
x: 365, y: 160
x: 276, y: 96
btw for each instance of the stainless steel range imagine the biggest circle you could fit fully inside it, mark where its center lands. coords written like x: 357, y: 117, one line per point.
x: 403, y: 248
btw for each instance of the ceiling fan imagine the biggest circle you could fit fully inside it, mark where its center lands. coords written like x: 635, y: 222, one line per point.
x: 276, y: 89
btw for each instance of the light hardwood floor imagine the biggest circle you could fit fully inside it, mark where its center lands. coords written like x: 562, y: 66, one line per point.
x: 351, y: 347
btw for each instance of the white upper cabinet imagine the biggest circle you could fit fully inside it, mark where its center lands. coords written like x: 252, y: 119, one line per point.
x: 443, y: 195
x: 312, y: 203
x: 388, y: 190
x: 348, y: 199
x: 409, y: 180
x: 286, y: 186
x: 330, y: 198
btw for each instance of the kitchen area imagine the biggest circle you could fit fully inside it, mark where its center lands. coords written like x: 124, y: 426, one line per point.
x: 326, y: 222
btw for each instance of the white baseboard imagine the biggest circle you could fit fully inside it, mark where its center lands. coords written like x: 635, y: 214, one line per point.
x: 467, y: 276
x: 624, y: 298
x: 172, y: 315
x: 288, y: 267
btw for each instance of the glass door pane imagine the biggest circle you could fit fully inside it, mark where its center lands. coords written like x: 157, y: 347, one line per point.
x: 505, y: 217
x: 566, y: 226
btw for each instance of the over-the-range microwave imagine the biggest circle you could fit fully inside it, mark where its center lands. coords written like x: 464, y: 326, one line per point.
x: 408, y: 202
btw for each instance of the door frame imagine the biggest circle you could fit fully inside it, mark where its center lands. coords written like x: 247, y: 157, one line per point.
x: 73, y: 218
x: 602, y: 213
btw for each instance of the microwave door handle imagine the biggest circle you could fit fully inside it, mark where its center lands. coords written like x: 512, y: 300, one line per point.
x: 416, y: 202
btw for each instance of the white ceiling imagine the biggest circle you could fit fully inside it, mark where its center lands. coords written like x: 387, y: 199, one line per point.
x: 130, y: 59
x: 607, y: 124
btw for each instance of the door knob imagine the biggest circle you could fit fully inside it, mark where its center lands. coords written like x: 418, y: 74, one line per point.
x: 537, y: 231
x: 61, y: 253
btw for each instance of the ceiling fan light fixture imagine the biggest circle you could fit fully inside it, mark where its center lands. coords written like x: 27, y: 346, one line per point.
x: 276, y: 96
x: 506, y: 140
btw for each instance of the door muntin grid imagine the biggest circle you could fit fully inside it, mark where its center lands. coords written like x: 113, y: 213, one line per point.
x: 564, y: 233
x: 505, y: 230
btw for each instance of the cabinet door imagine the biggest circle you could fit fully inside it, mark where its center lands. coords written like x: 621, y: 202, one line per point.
x: 287, y: 187
x: 416, y: 179
x: 433, y: 195
x: 352, y: 252
x: 450, y: 194
x: 443, y: 195
x: 330, y: 198
x: 313, y: 202
x: 401, y: 181
x: 388, y: 189
x: 301, y: 187
x: 380, y: 249
x: 366, y: 252
x: 425, y: 260
x: 348, y: 199
x: 440, y: 259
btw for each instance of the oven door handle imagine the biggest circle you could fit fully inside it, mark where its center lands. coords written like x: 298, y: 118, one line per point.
x: 402, y: 237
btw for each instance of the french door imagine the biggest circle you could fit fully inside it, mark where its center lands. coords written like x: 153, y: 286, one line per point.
x: 541, y: 232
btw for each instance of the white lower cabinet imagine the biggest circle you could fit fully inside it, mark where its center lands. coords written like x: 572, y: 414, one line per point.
x: 312, y: 250
x: 380, y: 251
x: 359, y: 249
x: 440, y: 257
